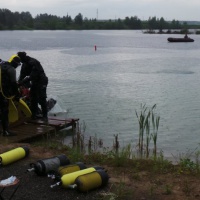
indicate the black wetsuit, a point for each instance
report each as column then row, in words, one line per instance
column 9, row 88
column 32, row 69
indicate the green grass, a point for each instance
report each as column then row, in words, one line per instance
column 126, row 161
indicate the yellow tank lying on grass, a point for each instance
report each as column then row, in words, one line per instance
column 13, row 155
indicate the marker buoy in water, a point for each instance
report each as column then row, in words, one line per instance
column 13, row 155
column 90, row 181
column 95, row 47
column 68, row 179
column 48, row 165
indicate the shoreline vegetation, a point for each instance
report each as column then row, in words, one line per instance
column 131, row 176
column 24, row 21
column 180, row 32
column 140, row 173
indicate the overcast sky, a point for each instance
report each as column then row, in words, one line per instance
column 186, row 10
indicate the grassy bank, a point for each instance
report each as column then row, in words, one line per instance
column 141, row 173
column 132, row 176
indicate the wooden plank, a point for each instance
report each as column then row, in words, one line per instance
column 62, row 119
column 57, row 123
column 30, row 129
column 26, row 132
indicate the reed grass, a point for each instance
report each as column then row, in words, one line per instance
column 161, row 164
column 122, row 156
column 148, row 124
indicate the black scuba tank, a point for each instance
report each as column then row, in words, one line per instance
column 48, row 165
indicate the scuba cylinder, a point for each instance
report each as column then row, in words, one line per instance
column 48, row 165
column 67, row 169
column 90, row 181
column 68, row 179
column 13, row 155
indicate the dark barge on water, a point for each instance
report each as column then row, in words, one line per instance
column 180, row 39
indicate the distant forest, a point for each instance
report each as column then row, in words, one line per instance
column 24, row 21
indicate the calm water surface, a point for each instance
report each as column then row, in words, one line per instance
column 104, row 88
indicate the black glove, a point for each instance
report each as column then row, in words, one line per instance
column 24, row 81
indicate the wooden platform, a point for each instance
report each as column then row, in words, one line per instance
column 28, row 130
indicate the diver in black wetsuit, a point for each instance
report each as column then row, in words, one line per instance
column 33, row 72
column 9, row 88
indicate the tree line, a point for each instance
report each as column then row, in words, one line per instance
column 24, row 21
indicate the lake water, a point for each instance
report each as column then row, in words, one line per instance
column 105, row 87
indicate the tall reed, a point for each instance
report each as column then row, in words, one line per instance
column 146, row 117
column 155, row 123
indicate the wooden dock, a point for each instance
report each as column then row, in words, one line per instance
column 27, row 130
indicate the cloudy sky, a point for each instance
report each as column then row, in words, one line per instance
column 186, row 10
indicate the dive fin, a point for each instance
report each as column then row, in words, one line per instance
column 23, row 107
column 13, row 112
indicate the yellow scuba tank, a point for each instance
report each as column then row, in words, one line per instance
column 13, row 155
column 90, row 181
column 48, row 165
column 67, row 169
column 68, row 179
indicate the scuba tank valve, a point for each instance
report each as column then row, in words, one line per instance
column 48, row 165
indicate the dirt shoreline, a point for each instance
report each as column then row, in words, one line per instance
column 125, row 183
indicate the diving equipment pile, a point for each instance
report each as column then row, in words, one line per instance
column 69, row 176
